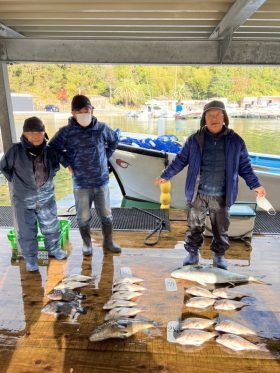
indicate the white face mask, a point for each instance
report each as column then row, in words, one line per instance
column 84, row 119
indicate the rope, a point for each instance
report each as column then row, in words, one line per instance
column 161, row 224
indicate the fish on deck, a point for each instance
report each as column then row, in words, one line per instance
column 194, row 337
column 122, row 312
column 211, row 275
column 65, row 294
column 200, row 302
column 232, row 327
column 228, row 293
column 196, row 323
column 122, row 328
column 61, row 308
column 237, row 343
column 228, row 304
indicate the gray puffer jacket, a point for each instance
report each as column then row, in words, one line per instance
column 17, row 167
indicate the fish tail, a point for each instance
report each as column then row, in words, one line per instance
column 254, row 279
column 262, row 347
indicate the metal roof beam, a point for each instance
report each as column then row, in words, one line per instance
column 7, row 32
column 172, row 52
column 239, row 12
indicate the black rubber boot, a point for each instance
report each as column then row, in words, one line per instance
column 191, row 259
column 219, row 261
column 108, row 243
column 87, row 245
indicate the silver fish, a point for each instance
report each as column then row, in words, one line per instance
column 196, row 323
column 237, row 343
column 127, row 295
column 194, row 337
column 227, row 293
column 118, row 303
column 232, row 327
column 200, row 292
column 227, row 304
column 127, row 280
column 128, row 287
column 71, row 285
column 122, row 328
column 65, row 294
column 211, row 275
column 79, row 278
column 61, row 308
column 122, row 312
column 200, row 302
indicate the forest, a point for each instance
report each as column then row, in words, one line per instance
column 132, row 85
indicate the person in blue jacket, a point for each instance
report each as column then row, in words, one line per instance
column 30, row 166
column 87, row 145
column 215, row 156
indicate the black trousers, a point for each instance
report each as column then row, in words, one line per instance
column 219, row 217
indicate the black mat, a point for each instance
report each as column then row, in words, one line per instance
column 267, row 224
column 138, row 220
column 131, row 219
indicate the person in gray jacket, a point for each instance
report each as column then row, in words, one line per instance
column 30, row 166
column 87, row 145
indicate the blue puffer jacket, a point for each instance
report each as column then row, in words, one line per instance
column 236, row 158
column 87, row 150
column 17, row 167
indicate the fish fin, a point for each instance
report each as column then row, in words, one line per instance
column 254, row 279
column 262, row 347
column 202, row 283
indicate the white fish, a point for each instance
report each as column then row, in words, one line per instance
column 237, row 343
column 229, row 326
column 227, row 304
column 196, row 323
column 128, row 280
column 71, row 285
column 211, row 275
column 119, row 329
column 227, row 293
column 127, row 295
column 194, row 337
column 200, row 302
column 122, row 312
column 118, row 303
column 128, row 287
column 200, row 292
column 79, row 278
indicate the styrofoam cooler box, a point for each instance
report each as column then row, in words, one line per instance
column 242, row 220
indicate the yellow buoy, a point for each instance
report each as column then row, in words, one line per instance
column 165, row 196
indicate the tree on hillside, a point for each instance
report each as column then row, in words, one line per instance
column 128, row 93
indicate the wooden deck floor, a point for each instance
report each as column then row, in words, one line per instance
column 34, row 342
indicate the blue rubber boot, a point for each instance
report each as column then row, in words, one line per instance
column 31, row 265
column 219, row 261
column 58, row 254
column 191, row 259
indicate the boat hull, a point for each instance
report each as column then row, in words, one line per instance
column 137, row 168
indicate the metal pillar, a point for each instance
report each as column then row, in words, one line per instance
column 7, row 121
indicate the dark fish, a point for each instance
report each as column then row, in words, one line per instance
column 60, row 308
column 65, row 294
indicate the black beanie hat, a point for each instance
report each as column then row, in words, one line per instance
column 33, row 124
column 214, row 105
column 79, row 102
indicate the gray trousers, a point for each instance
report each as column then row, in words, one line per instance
column 45, row 214
column 219, row 217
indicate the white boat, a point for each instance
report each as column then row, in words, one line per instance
column 136, row 169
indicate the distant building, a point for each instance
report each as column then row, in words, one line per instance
column 22, row 102
column 248, row 102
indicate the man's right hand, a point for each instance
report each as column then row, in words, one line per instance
column 70, row 169
column 159, row 180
